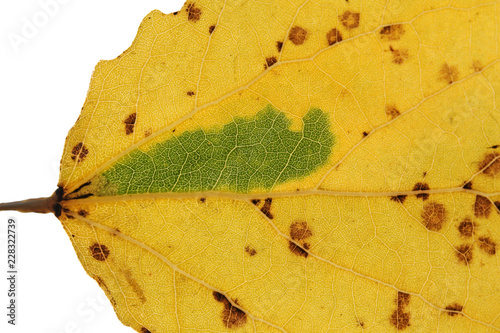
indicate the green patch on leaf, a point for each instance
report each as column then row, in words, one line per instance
column 246, row 154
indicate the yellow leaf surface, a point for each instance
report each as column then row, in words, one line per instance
column 294, row 166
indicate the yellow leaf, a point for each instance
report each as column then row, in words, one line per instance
column 294, row 166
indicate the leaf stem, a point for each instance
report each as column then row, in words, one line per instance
column 38, row 205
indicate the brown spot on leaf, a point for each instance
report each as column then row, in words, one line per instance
column 365, row 134
column 145, row 330
column 79, row 152
column 250, row 250
column 300, row 231
column 448, row 73
column 103, row 286
column 190, row 93
column 487, row 245
column 202, row 199
column 434, row 216
column 497, row 204
column 279, row 45
column 270, row 61
column 467, row 186
column 297, row 35
column 421, row 187
column 256, row 201
column 464, row 253
column 83, row 212
column 466, row 228
column 401, row 319
column 130, row 123
column 333, row 36
column 476, row 64
column 232, row 316
column 392, row 32
column 194, row 12
column 453, row 309
column 297, row 249
column 482, row 206
column 391, row 111
column 490, row 165
column 211, row 29
column 349, row 19
column 399, row 56
column 266, row 208
column 99, row 252
column 134, row 285
column 399, row 198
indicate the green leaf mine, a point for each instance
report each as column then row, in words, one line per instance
column 247, row 154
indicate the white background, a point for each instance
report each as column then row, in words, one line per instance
column 43, row 84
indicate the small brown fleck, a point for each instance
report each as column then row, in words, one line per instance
column 482, row 206
column 361, row 323
column 232, row 316
column 448, row 73
column 297, row 35
column 145, row 330
column 256, row 201
column 130, row 123
column 333, row 36
column 175, row 13
column 270, row 62
column 250, row 250
column 467, row 186
column 476, row 64
column 453, row 309
column 211, row 29
column 349, row 19
column 391, row 111
column 487, row 245
column 490, row 165
column 399, row 56
column 99, row 252
column 279, row 45
column 365, row 134
column 190, row 93
column 194, row 12
column 297, row 249
column 392, row 32
column 266, row 208
column 434, row 216
column 147, row 133
column 79, row 152
column 202, row 199
column 421, row 187
column 497, row 204
column 399, row 198
column 466, row 228
column 83, row 212
column 464, row 253
column 300, row 231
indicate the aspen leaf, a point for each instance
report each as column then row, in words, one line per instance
column 293, row 166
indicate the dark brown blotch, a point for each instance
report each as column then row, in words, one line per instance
column 256, row 201
column 467, row 186
column 448, row 73
column 464, row 253
column 398, row 198
column 232, row 316
column 454, row 309
column 349, row 19
column 421, row 187
column 279, row 45
column 300, row 231
column 145, row 330
column 400, row 318
column 399, row 56
column 365, row 134
column 202, row 199
column 403, row 300
column 83, row 212
column 130, row 123
column 250, row 250
column 482, row 207
column 297, row 35
column 79, row 152
column 333, row 36
column 266, row 208
column 391, row 111
column 392, row 32
column 297, row 250
column 270, row 62
column 434, row 216
column 211, row 29
column 99, row 251
column 194, row 12
column 190, row 93
column 487, row 245
column 497, row 204
column 490, row 165
column 466, row 228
